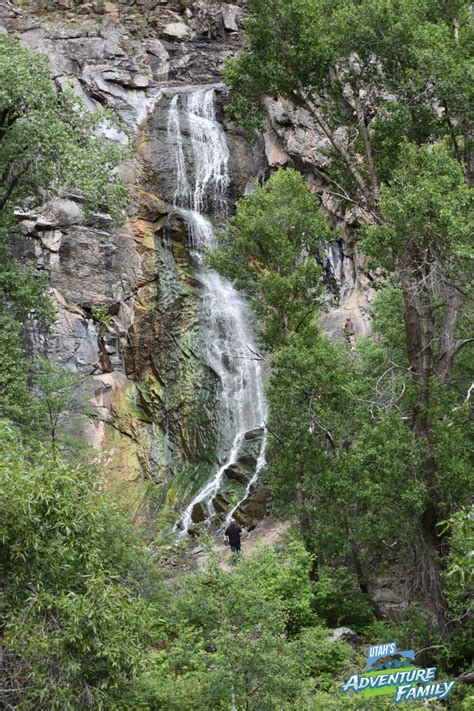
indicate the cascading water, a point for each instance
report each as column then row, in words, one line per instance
column 200, row 196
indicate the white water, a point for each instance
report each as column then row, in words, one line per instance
column 200, row 195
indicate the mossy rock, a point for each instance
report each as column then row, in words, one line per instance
column 221, row 503
column 199, row 513
column 238, row 472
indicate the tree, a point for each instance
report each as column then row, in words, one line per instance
column 58, row 404
column 380, row 80
column 342, row 471
column 74, row 626
column 425, row 239
column 271, row 250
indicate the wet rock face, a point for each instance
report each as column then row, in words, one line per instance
column 246, row 162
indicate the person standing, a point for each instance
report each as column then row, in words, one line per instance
column 232, row 536
column 349, row 332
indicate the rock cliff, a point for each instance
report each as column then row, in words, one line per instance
column 126, row 297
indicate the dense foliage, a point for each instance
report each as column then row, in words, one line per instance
column 86, row 623
column 388, row 85
column 72, row 576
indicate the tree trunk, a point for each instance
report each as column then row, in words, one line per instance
column 359, row 569
column 419, row 330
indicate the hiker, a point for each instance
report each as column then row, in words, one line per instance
column 348, row 328
column 232, row 536
column 349, row 332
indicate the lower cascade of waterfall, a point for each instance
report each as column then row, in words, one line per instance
column 226, row 322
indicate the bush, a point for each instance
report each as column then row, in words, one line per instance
column 75, row 624
column 338, row 599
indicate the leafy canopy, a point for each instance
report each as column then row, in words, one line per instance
column 370, row 73
column 427, row 207
column 271, row 249
column 74, row 626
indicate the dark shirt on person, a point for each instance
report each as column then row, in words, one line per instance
column 233, row 534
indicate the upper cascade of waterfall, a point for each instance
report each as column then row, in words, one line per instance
column 200, row 195
column 206, row 191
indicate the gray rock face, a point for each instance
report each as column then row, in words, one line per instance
column 140, row 273
column 89, row 264
column 88, row 260
column 292, row 138
column 158, row 58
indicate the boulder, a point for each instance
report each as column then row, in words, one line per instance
column 344, row 634
column 221, row 503
column 236, row 472
column 247, row 460
column 230, row 13
column 177, row 31
column 60, row 212
column 257, row 433
column 198, row 513
column 112, row 10
column 254, row 507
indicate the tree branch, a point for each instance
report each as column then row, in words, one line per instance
column 368, row 146
column 338, row 146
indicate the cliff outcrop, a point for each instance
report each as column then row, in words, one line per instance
column 126, row 298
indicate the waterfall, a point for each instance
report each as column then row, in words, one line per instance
column 226, row 323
